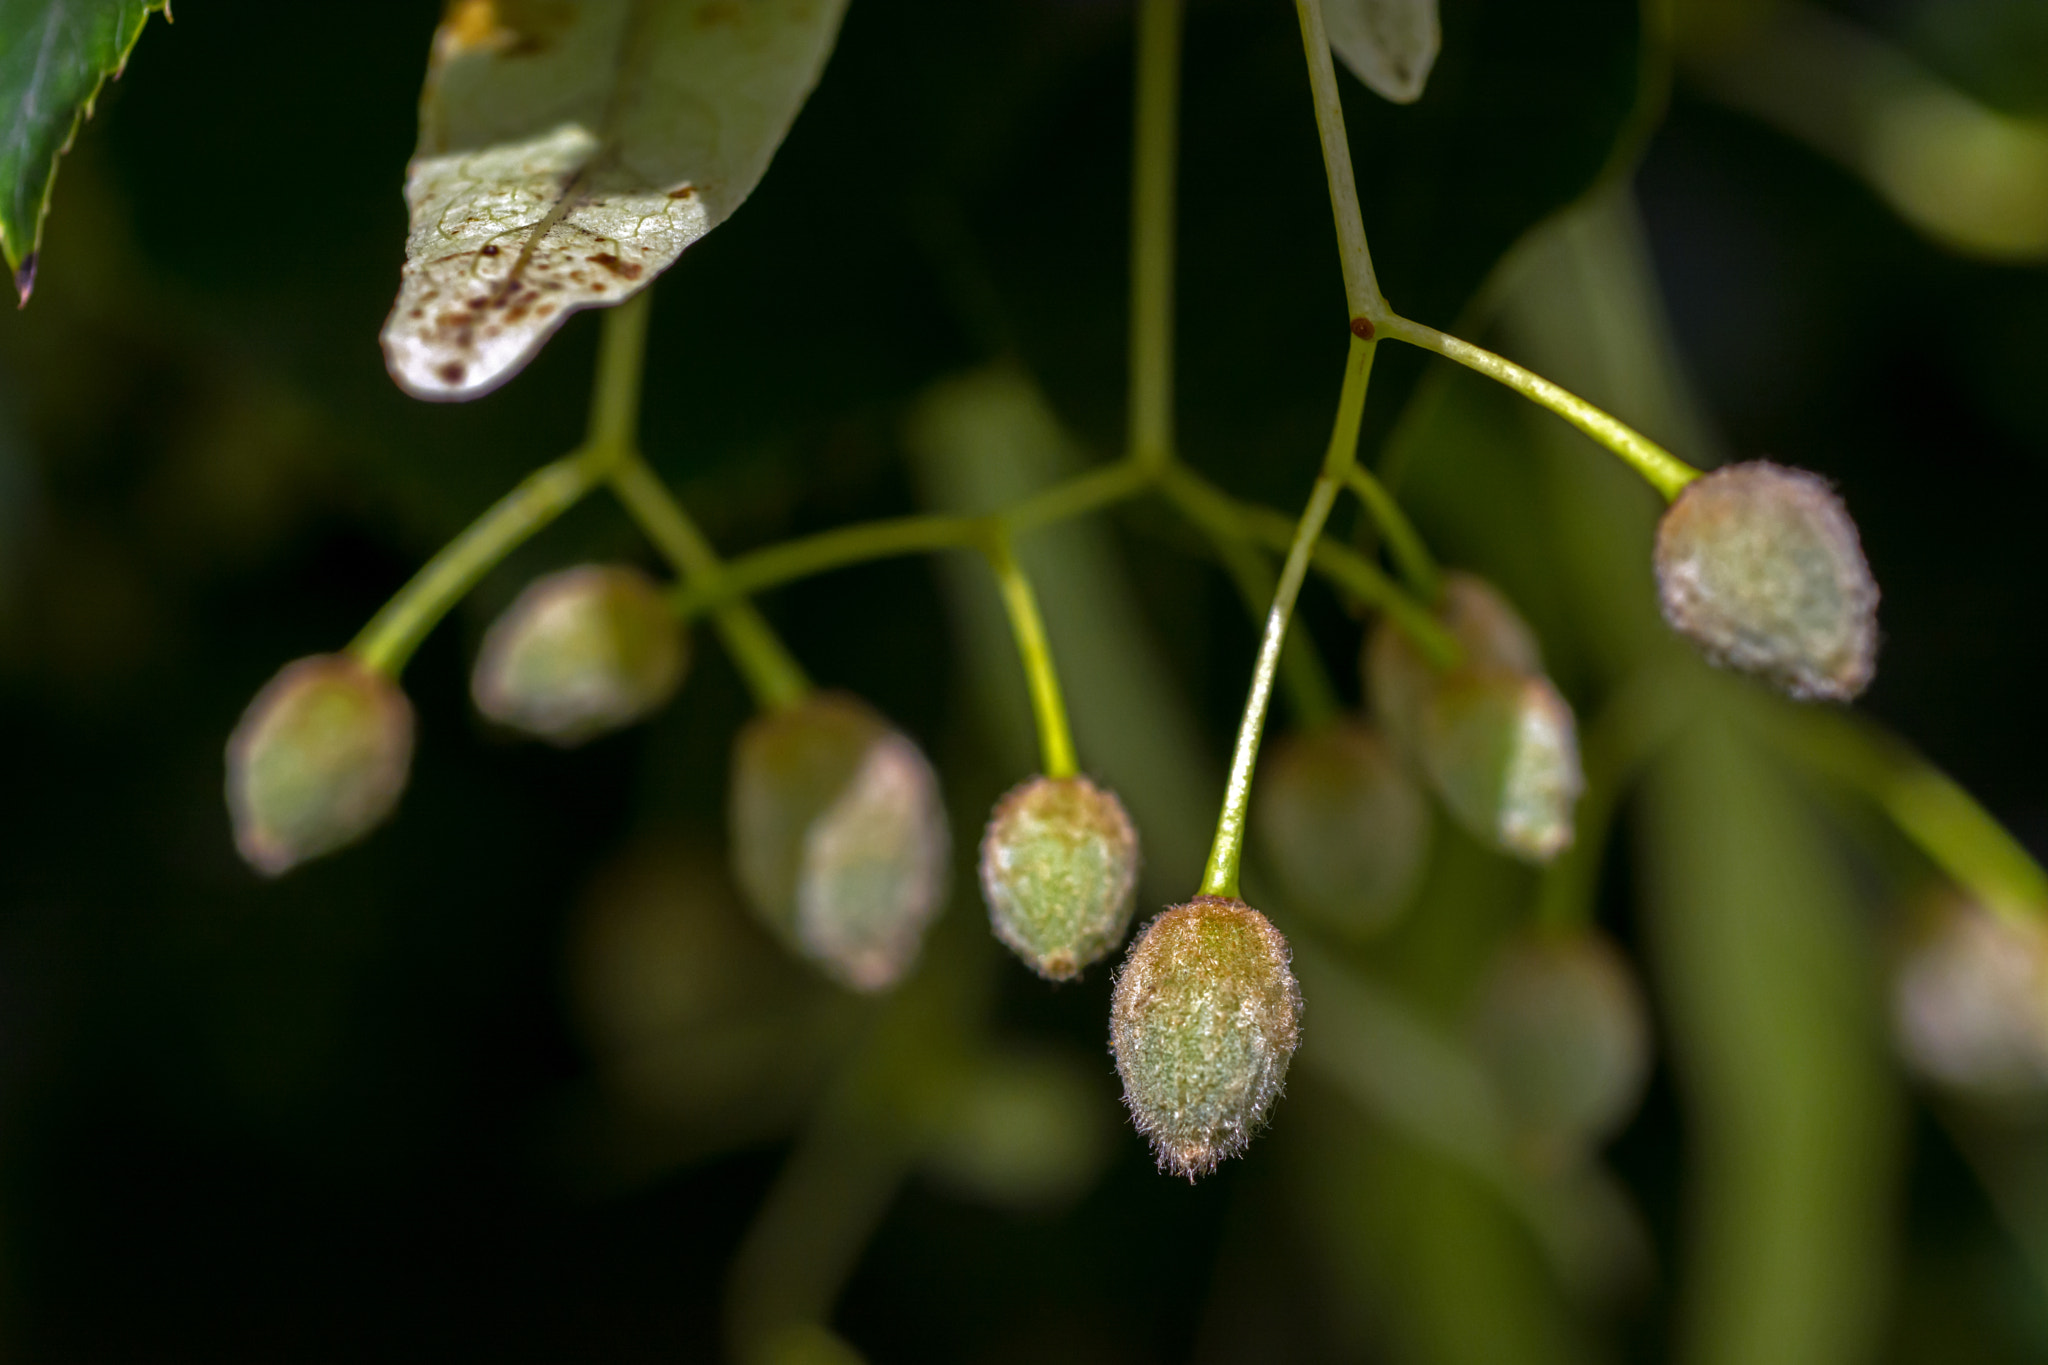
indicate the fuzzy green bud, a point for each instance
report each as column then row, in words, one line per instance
column 839, row 837
column 317, row 761
column 1059, row 865
column 579, row 653
column 1970, row 1002
column 1503, row 751
column 1204, row 1019
column 1345, row 827
column 1760, row 566
column 1491, row 633
column 1561, row 1025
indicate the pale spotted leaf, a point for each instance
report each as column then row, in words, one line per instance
column 569, row 151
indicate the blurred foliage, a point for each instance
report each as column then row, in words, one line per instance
column 516, row 1081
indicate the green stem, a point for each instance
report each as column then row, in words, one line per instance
column 1361, row 285
column 1155, row 139
column 1055, row 740
column 621, row 360
column 1409, row 552
column 1219, row 878
column 1663, row 471
column 774, row 677
column 387, row 643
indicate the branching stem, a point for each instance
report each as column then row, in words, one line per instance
column 1664, row 471
column 1361, row 285
column 1219, row 878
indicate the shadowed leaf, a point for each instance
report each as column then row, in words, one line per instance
column 569, row 153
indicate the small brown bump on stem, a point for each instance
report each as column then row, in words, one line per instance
column 1362, row 328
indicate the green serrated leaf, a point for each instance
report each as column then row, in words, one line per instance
column 1388, row 44
column 569, row 152
column 54, row 54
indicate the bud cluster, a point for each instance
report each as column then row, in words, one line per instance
column 1761, row 567
column 1492, row 735
column 839, row 838
column 1204, row 1019
column 1059, row 865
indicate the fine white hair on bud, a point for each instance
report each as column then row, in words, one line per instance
column 1059, row 866
column 1204, row 1018
column 839, row 837
column 1761, row 567
column 1345, row 827
column 579, row 653
column 317, row 761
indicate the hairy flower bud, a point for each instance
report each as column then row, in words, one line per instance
column 579, row 653
column 1970, row 1002
column 1562, row 1027
column 1760, row 566
column 839, row 838
column 1503, row 752
column 317, row 761
column 1346, row 828
column 1492, row 634
column 1059, row 864
column 1204, row 1019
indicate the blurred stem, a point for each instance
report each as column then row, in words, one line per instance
column 775, row 679
column 1361, row 286
column 1156, row 139
column 1225, row 853
column 1934, row 812
column 1055, row 740
column 1310, row 693
column 1413, row 557
column 1223, row 517
column 1663, row 471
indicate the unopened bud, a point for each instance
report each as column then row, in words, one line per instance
column 317, row 761
column 1503, row 752
column 839, row 837
column 1562, row 1028
column 1971, row 1002
column 579, row 653
column 1204, row 1020
column 1490, row 632
column 1059, row 863
column 1760, row 566
column 1346, row 828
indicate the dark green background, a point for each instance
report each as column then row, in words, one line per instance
column 340, row 1117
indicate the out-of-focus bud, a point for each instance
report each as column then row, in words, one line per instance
column 317, row 761
column 1760, row 566
column 1059, row 863
column 1492, row 634
column 1561, row 1025
column 1023, row 1131
column 579, row 653
column 839, row 837
column 1970, row 1002
column 1204, row 1020
column 804, row 1343
column 1502, row 750
column 1345, row 826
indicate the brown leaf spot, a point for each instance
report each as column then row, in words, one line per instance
column 488, row 249
column 683, row 192
column 627, row 270
column 452, row 372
